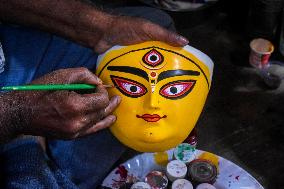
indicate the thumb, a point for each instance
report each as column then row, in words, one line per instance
column 161, row 34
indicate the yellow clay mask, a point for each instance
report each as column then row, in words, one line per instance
column 163, row 91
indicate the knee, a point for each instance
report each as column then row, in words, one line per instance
column 154, row 15
column 161, row 18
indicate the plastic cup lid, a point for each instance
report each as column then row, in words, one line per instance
column 205, row 186
column 182, row 184
column 176, row 168
column 202, row 171
column 140, row 185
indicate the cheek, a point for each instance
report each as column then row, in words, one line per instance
column 128, row 109
column 182, row 113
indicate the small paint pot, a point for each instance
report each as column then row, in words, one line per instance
column 126, row 186
column 182, row 184
column 157, row 180
column 140, row 185
column 202, row 171
column 261, row 49
column 176, row 169
column 184, row 152
column 205, row 186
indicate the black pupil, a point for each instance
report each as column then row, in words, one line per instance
column 173, row 90
column 133, row 89
column 153, row 58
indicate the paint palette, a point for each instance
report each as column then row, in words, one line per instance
column 230, row 175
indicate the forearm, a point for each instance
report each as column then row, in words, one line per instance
column 73, row 19
column 9, row 117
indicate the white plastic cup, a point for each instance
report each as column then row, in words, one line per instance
column 182, row 184
column 205, row 186
column 140, row 185
column 261, row 50
column 176, row 169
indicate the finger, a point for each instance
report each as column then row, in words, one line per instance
column 105, row 123
column 102, row 46
column 94, row 101
column 158, row 33
column 70, row 75
column 96, row 115
column 83, row 75
column 102, row 114
column 114, row 102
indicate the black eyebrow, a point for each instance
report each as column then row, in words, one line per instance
column 131, row 70
column 173, row 73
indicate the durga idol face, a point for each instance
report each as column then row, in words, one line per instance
column 163, row 91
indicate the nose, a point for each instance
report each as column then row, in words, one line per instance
column 154, row 101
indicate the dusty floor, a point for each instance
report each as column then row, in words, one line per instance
column 243, row 120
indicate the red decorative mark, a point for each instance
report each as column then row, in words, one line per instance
column 151, row 118
column 237, row 177
column 122, row 171
column 129, row 87
column 153, row 74
column 177, row 89
column 153, row 58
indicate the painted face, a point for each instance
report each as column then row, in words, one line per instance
column 163, row 90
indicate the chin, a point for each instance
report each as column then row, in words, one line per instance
column 154, row 146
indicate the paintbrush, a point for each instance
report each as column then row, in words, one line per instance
column 43, row 87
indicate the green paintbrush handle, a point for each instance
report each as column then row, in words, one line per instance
column 49, row 87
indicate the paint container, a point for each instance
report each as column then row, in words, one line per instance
column 182, row 184
column 176, row 169
column 157, row 180
column 205, row 186
column 202, row 171
column 126, row 186
column 184, row 152
column 140, row 185
column 261, row 50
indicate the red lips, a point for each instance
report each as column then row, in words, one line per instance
column 151, row 118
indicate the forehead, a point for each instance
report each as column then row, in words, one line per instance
column 142, row 58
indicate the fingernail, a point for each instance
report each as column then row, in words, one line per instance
column 118, row 99
column 99, row 80
column 113, row 118
column 182, row 40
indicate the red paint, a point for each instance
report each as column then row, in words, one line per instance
column 158, row 58
column 151, row 117
column 184, row 88
column 153, row 74
column 122, row 171
column 191, row 138
column 125, row 84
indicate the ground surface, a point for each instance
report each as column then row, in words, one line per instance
column 242, row 120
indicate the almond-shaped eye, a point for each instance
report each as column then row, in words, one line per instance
column 129, row 87
column 177, row 89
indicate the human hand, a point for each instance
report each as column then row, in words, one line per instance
column 124, row 30
column 65, row 114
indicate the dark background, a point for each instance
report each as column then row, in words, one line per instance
column 243, row 119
